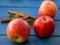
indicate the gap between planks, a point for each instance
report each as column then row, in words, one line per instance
column 33, row 35
column 19, row 7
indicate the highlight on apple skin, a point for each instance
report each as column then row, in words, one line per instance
column 18, row 30
column 48, row 0
column 48, row 8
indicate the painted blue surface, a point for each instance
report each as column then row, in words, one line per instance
column 25, row 3
column 29, row 7
column 33, row 40
column 30, row 11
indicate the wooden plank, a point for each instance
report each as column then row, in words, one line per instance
column 32, row 40
column 4, row 25
column 30, row 11
column 25, row 3
column 20, row 3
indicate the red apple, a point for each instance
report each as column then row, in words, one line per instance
column 44, row 26
column 48, row 0
column 48, row 8
column 18, row 30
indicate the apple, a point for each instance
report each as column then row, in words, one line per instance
column 18, row 30
column 44, row 26
column 48, row 0
column 48, row 8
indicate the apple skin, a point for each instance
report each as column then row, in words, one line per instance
column 48, row 0
column 44, row 26
column 18, row 30
column 48, row 8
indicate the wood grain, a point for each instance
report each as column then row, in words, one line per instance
column 32, row 40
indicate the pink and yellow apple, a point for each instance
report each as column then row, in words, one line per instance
column 48, row 8
column 18, row 30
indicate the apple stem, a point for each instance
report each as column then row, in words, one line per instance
column 16, row 37
column 44, row 19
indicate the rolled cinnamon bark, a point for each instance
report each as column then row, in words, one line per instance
column 6, row 20
column 21, row 14
column 9, row 19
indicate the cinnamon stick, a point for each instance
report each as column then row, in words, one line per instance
column 9, row 19
column 21, row 14
column 6, row 20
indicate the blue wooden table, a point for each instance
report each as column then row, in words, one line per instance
column 29, row 7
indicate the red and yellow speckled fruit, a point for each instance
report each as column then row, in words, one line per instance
column 48, row 8
column 18, row 30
